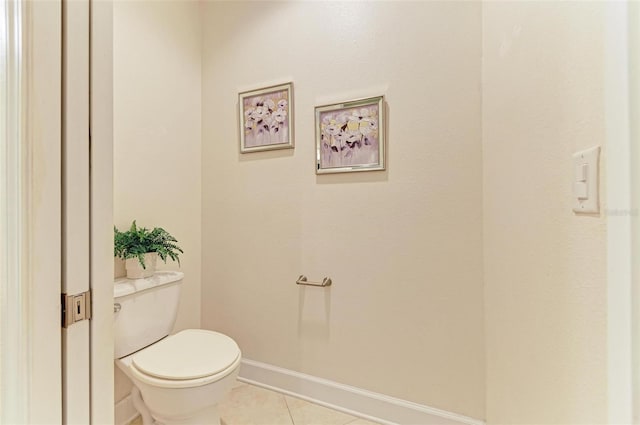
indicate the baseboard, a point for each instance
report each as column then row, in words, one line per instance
column 351, row 400
column 124, row 411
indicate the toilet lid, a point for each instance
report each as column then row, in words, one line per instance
column 189, row 354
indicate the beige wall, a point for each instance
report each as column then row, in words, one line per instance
column 545, row 268
column 157, row 139
column 403, row 247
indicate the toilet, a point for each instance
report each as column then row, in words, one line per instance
column 180, row 378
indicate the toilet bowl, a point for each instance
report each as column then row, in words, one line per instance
column 180, row 378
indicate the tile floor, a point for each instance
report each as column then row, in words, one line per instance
column 250, row 405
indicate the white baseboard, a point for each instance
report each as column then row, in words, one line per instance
column 351, row 400
column 125, row 412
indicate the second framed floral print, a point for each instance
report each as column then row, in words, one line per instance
column 350, row 136
column 266, row 118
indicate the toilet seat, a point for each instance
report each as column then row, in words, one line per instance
column 190, row 358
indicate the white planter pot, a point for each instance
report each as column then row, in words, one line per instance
column 135, row 269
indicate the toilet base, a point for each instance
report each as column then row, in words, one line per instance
column 138, row 403
column 209, row 415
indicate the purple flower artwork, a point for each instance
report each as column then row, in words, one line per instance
column 265, row 119
column 350, row 137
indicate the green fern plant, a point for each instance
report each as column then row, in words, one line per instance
column 137, row 241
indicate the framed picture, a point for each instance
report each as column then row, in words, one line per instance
column 350, row 136
column 266, row 118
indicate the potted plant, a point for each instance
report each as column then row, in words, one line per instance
column 140, row 248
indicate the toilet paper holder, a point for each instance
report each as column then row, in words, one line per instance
column 302, row 280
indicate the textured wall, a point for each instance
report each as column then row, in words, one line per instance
column 403, row 247
column 545, row 268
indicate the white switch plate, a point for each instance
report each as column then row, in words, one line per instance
column 586, row 162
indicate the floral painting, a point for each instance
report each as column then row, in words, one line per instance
column 265, row 119
column 350, row 136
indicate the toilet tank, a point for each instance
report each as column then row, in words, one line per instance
column 144, row 310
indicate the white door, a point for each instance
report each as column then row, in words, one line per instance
column 76, row 362
column 56, row 210
column 87, row 208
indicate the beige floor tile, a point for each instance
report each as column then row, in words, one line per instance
column 136, row 421
column 294, row 402
column 249, row 405
column 305, row 413
column 238, row 384
column 362, row 422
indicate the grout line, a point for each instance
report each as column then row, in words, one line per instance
column 288, row 408
column 354, row 419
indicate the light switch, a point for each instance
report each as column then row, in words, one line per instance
column 580, row 190
column 582, row 171
column 585, row 181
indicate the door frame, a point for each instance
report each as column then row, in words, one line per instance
column 32, row 214
column 35, row 250
column 622, row 183
column 43, row 176
column 634, row 114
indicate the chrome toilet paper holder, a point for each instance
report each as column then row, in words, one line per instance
column 302, row 280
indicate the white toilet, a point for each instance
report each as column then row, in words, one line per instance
column 179, row 379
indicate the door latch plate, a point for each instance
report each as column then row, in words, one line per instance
column 75, row 308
